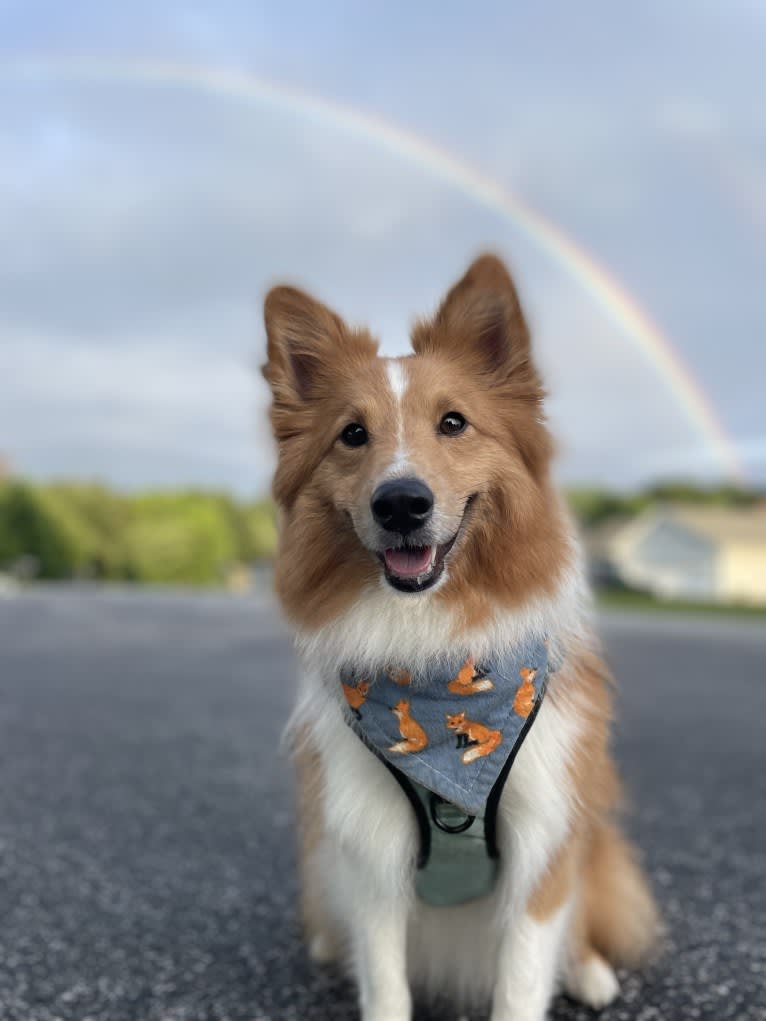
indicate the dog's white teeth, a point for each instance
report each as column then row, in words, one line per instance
column 431, row 562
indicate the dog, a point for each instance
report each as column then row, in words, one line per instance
column 418, row 524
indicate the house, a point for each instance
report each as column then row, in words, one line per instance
column 710, row 554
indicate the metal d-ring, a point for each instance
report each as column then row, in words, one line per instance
column 461, row 827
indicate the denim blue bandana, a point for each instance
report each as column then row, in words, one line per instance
column 452, row 728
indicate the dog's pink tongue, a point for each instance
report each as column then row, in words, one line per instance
column 408, row 563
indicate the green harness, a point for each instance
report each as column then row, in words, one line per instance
column 459, row 867
column 449, row 733
column 458, row 859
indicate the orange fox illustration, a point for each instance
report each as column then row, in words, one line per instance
column 415, row 738
column 477, row 739
column 524, row 702
column 356, row 695
column 468, row 681
column 402, row 677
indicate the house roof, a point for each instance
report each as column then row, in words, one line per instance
column 740, row 525
column 721, row 525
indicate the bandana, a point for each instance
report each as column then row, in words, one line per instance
column 451, row 728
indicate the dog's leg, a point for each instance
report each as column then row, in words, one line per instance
column 541, row 854
column 527, row 967
column 535, row 940
column 321, row 934
column 379, row 937
column 374, row 839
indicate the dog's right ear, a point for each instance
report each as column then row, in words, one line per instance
column 302, row 335
column 311, row 356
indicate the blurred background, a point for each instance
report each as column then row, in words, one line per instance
column 162, row 165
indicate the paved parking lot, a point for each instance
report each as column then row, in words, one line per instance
column 146, row 856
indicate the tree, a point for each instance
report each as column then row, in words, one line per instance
column 181, row 539
column 31, row 526
column 261, row 530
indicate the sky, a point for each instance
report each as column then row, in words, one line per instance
column 142, row 220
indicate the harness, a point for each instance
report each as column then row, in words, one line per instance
column 450, row 738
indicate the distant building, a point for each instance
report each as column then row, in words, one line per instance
column 708, row 554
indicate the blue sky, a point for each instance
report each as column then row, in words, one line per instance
column 142, row 224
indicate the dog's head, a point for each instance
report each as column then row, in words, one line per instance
column 428, row 473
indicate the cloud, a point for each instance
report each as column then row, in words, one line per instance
column 153, row 412
column 141, row 226
column 158, row 410
column 130, row 232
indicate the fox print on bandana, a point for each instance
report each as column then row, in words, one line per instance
column 525, row 696
column 459, row 723
column 477, row 739
column 414, row 738
column 469, row 680
column 355, row 695
column 401, row 677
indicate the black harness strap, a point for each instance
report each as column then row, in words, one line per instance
column 424, row 826
column 490, row 814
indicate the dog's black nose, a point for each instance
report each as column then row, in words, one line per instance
column 402, row 505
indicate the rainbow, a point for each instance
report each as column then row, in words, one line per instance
column 607, row 292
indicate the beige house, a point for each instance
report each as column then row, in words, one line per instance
column 702, row 553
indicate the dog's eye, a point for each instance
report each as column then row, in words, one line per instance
column 452, row 424
column 354, row 435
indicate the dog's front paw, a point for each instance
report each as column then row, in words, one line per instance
column 395, row 1008
column 520, row 1012
column 404, row 1014
column 593, row 982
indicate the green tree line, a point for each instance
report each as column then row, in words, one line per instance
column 81, row 530
column 86, row 530
column 593, row 505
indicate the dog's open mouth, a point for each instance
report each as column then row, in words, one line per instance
column 416, row 568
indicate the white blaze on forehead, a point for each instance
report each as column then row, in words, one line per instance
column 397, row 380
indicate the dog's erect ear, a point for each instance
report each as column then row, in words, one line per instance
column 302, row 335
column 480, row 318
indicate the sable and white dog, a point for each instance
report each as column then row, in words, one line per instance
column 469, row 550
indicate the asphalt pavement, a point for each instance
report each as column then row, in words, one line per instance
column 146, row 845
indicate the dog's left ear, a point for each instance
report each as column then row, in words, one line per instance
column 480, row 318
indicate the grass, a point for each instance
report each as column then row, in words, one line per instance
column 624, row 599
